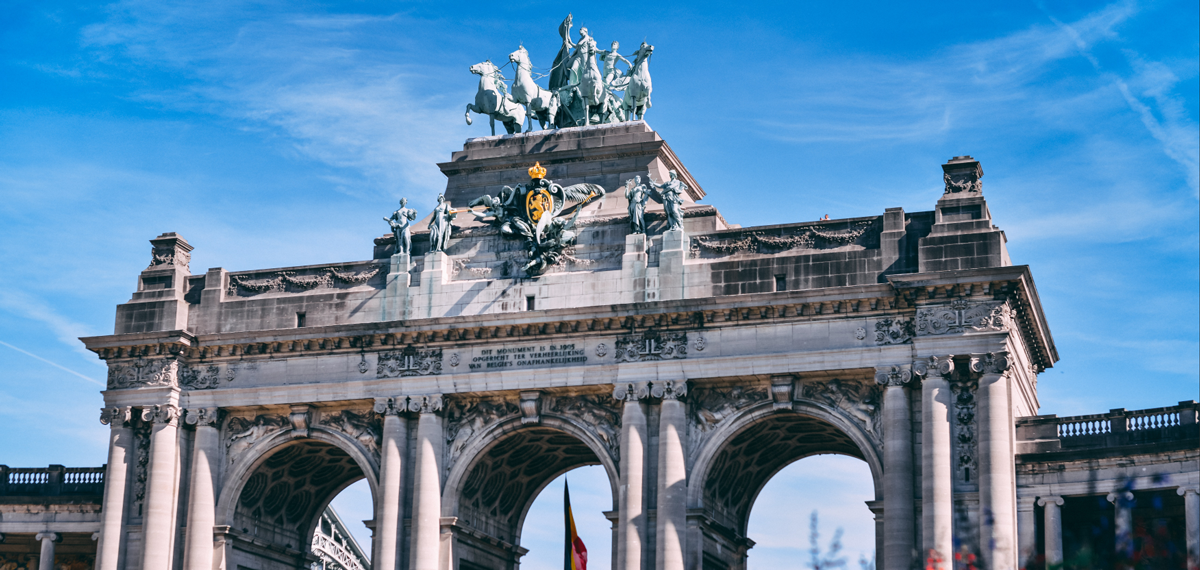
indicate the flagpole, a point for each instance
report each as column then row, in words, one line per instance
column 567, row 526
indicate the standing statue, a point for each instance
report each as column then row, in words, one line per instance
column 670, row 195
column 492, row 99
column 559, row 77
column 637, row 92
column 541, row 104
column 636, row 194
column 401, row 222
column 612, row 75
column 440, row 226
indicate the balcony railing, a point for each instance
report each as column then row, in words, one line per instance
column 52, row 481
column 1116, row 428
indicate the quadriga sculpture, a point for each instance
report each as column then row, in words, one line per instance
column 492, row 99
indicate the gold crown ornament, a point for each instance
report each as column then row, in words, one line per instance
column 536, row 171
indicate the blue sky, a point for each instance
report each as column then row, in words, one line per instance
column 275, row 133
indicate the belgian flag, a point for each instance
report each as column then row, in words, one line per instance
column 574, row 552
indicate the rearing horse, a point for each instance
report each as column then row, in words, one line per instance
column 637, row 94
column 540, row 103
column 493, row 101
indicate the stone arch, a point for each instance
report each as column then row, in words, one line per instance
column 283, row 483
column 725, row 486
column 499, row 473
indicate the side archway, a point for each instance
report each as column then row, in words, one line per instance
column 274, row 494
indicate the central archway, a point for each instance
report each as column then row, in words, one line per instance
column 503, row 470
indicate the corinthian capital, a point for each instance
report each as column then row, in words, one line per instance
column 990, row 362
column 669, row 389
column 161, row 414
column 116, row 416
column 631, row 391
column 425, row 403
column 895, row 375
column 202, row 416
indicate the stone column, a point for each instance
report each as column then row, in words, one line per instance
column 393, row 452
column 897, row 468
column 1026, row 532
column 120, row 453
column 632, row 518
column 46, row 558
column 997, row 467
column 671, row 513
column 1053, row 527
column 1191, row 508
column 202, row 499
column 427, row 484
column 1123, row 517
column 937, row 490
column 157, row 527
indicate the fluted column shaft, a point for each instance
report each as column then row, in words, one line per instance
column 632, row 517
column 120, row 452
column 997, row 469
column 157, row 526
column 937, row 490
column 1191, row 507
column 897, row 468
column 671, row 513
column 202, row 494
column 1052, row 516
column 427, row 486
column 393, row 451
column 46, row 557
column 1123, row 517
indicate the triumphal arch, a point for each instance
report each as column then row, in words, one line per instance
column 587, row 310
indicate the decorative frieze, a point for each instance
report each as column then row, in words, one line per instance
column 961, row 316
column 894, row 331
column 409, row 362
column 143, row 373
column 284, row 281
column 200, row 378
column 777, row 241
column 651, row 345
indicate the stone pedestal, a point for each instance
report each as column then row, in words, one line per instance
column 395, row 304
column 671, row 281
column 435, row 274
column 633, row 268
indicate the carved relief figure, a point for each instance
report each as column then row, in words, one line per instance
column 468, row 417
column 711, row 406
column 357, row 426
column 596, row 413
column 243, row 432
column 855, row 400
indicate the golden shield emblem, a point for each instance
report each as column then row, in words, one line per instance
column 538, row 202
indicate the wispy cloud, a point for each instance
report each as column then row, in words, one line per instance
column 54, row 364
column 66, row 330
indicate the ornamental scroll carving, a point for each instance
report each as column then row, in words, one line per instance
column 467, row 417
column 200, row 378
column 409, row 362
column 709, row 406
column 960, row 316
column 963, row 387
column 143, row 373
column 651, row 345
column 595, row 413
column 362, row 427
column 858, row 401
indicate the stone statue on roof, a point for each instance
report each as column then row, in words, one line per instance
column 670, row 195
column 401, row 222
